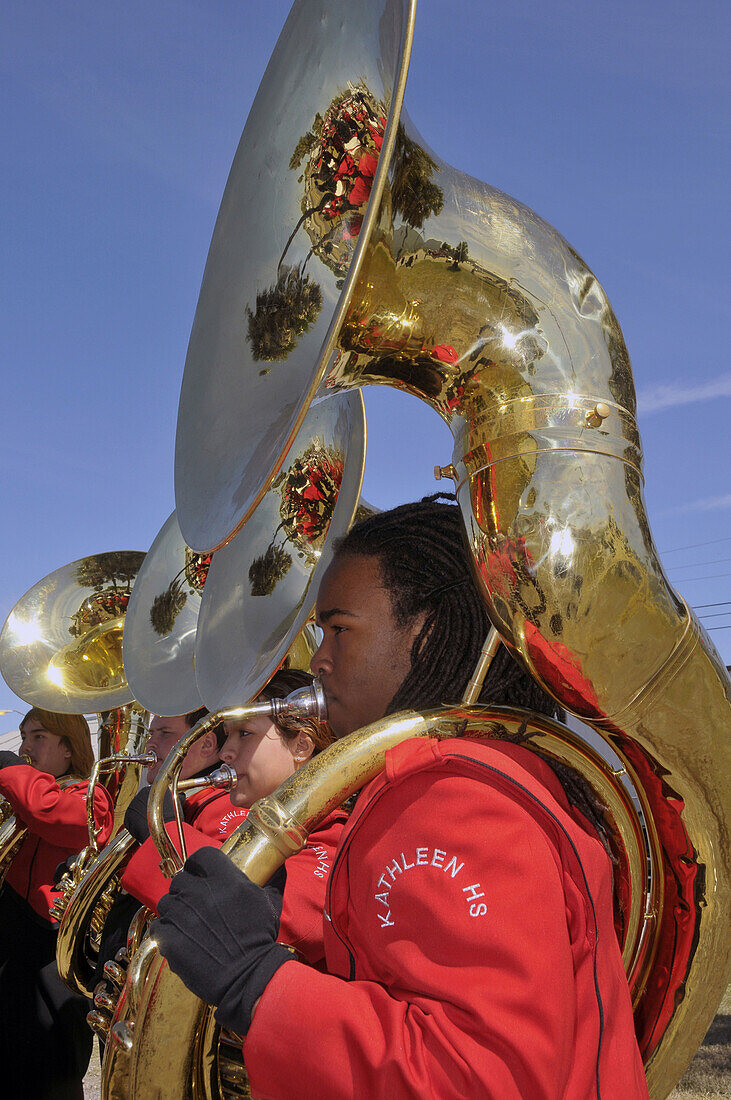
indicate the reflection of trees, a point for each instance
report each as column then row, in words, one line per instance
column 101, row 569
column 283, row 312
column 267, row 570
column 166, row 607
column 339, row 155
column 306, row 142
column 414, row 194
column 460, row 254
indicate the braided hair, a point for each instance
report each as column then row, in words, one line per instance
column 424, row 564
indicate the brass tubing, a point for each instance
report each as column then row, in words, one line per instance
column 547, row 465
column 489, row 649
column 109, row 764
column 77, row 918
column 224, row 778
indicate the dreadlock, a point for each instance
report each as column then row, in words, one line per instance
column 425, row 567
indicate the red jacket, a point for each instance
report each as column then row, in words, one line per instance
column 301, row 925
column 470, row 946
column 208, row 815
column 56, row 822
column 307, row 872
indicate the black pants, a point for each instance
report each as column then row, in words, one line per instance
column 45, row 1042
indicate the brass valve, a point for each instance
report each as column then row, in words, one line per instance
column 598, row 415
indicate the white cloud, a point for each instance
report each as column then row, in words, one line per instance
column 671, row 395
column 705, row 504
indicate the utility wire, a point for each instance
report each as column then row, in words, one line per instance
column 720, row 603
column 696, row 564
column 695, row 545
column 718, row 615
column 710, row 577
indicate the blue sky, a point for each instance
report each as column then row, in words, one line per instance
column 119, row 125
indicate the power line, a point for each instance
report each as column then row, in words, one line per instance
column 695, row 564
column 719, row 627
column 711, row 542
column 720, row 603
column 717, row 615
column 710, row 577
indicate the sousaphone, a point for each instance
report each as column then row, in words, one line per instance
column 251, row 605
column 61, row 650
column 346, row 253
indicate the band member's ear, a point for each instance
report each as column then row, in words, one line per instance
column 302, row 748
column 209, row 745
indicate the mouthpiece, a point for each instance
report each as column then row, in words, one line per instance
column 224, row 778
column 306, row 702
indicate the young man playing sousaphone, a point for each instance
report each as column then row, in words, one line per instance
column 469, row 935
column 208, row 814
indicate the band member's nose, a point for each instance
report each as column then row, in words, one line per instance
column 321, row 663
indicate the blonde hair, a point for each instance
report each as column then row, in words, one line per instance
column 73, row 729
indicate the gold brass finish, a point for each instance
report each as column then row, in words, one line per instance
column 458, row 294
column 489, row 649
column 108, row 764
column 93, row 883
column 85, row 910
column 12, row 835
column 598, row 415
column 445, row 471
column 122, row 733
column 61, row 645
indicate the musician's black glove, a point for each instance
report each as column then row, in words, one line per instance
column 9, row 759
column 64, row 866
column 218, row 931
column 135, row 817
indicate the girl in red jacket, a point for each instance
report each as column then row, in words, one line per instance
column 44, row 1041
column 469, row 935
column 263, row 755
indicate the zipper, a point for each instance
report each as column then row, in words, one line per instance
column 336, row 864
column 30, row 870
